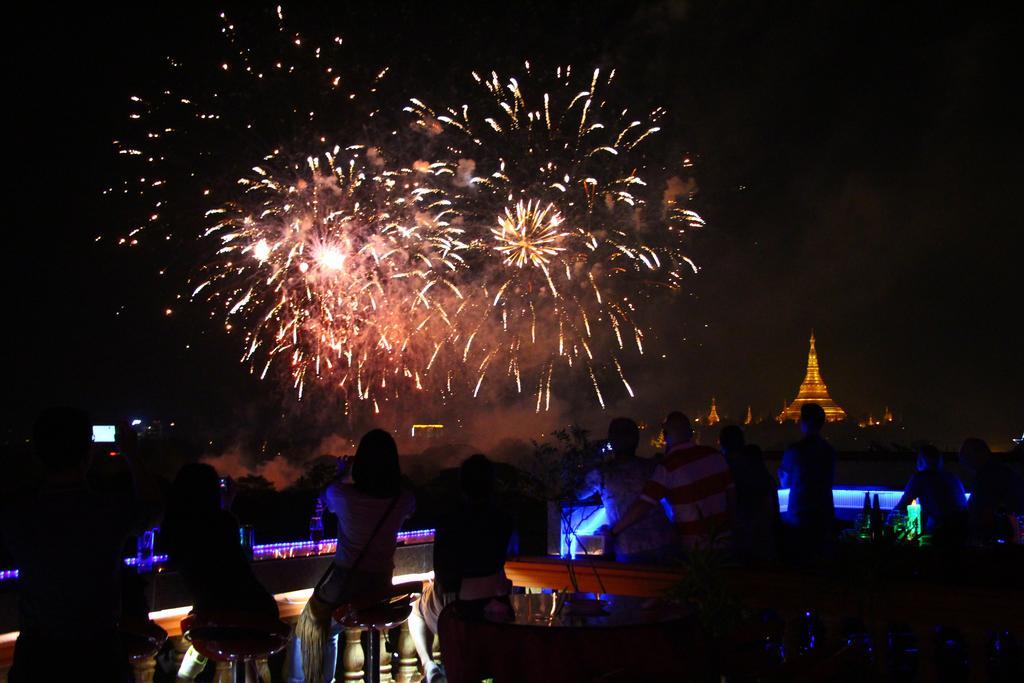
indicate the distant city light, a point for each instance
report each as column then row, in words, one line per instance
column 136, row 422
column 425, row 426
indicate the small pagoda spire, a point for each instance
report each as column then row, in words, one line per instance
column 749, row 419
column 713, row 415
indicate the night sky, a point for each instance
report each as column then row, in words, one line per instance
column 858, row 168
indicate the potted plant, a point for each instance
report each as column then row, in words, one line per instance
column 556, row 474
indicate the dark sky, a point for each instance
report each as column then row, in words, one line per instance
column 858, row 165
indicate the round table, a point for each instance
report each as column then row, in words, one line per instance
column 629, row 639
column 563, row 610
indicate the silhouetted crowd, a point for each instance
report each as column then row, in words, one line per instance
column 68, row 538
column 727, row 499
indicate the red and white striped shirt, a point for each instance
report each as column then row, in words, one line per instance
column 697, row 483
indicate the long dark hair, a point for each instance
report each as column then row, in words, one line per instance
column 476, row 479
column 195, row 492
column 375, row 469
column 193, row 503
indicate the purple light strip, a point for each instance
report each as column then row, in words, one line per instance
column 416, row 533
column 133, row 561
column 287, row 549
column 266, row 550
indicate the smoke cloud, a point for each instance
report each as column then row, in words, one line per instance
column 464, row 173
column 279, row 471
column 677, row 188
column 373, row 156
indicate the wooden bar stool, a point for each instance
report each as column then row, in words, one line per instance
column 142, row 640
column 228, row 638
column 378, row 613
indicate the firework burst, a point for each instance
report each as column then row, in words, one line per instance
column 321, row 259
column 522, row 242
column 567, row 224
column 529, row 235
column 328, row 270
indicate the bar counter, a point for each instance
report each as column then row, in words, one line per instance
column 287, row 570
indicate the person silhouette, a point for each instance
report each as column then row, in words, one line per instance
column 67, row 541
column 619, row 483
column 757, row 498
column 696, row 482
column 470, row 547
column 940, row 492
column 808, row 470
column 998, row 493
column 202, row 541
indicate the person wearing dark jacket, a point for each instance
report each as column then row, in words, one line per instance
column 757, row 498
column 996, row 497
column 808, row 470
column 470, row 546
column 940, row 493
column 202, row 542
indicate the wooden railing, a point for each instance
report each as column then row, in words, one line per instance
column 403, row 669
column 974, row 611
column 288, row 578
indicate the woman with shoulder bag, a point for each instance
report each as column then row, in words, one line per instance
column 371, row 505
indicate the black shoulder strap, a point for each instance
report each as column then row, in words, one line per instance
column 376, row 529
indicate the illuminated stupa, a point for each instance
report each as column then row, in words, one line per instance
column 713, row 415
column 812, row 390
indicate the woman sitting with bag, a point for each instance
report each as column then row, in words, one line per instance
column 371, row 506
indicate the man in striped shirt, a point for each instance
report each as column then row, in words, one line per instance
column 696, row 483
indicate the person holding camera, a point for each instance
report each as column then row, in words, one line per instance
column 619, row 483
column 67, row 540
column 371, row 504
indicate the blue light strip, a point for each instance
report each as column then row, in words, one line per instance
column 588, row 518
column 853, row 499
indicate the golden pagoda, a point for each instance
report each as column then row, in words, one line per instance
column 812, row 390
column 713, row 415
column 750, row 417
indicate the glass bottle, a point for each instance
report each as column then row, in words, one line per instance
column 316, row 523
column 866, row 515
column 144, row 551
column 876, row 519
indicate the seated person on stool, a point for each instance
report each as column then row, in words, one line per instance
column 470, row 546
column 202, row 540
column 371, row 504
column 997, row 496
